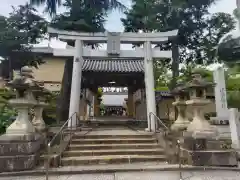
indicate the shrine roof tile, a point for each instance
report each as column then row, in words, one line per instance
column 113, row 65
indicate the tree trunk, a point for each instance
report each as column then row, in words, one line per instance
column 75, row 7
column 175, row 64
column 64, row 97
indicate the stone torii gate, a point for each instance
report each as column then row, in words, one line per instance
column 113, row 40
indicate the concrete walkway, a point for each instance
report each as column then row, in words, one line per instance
column 163, row 175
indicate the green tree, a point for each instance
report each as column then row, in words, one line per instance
column 99, row 5
column 17, row 34
column 6, row 111
column 228, row 49
column 199, row 32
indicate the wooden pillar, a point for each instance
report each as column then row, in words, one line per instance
column 134, row 110
column 96, row 105
column 175, row 64
column 130, row 103
column 86, row 111
column 82, row 108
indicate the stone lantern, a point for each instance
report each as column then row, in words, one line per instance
column 25, row 99
column 20, row 145
column 199, row 127
column 182, row 121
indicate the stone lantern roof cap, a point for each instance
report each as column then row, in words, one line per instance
column 25, row 80
column 180, row 88
column 198, row 82
column 18, row 83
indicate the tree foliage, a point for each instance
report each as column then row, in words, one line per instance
column 98, row 5
column 228, row 49
column 6, row 111
column 79, row 19
column 17, row 34
column 199, row 32
column 50, row 5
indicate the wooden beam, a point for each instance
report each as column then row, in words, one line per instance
column 88, row 52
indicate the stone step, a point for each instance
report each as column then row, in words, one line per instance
column 110, row 159
column 106, row 136
column 73, row 147
column 155, row 151
column 113, row 141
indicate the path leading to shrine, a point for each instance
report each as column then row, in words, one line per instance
column 170, row 175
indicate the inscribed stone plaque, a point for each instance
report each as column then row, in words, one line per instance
column 113, row 43
column 220, row 93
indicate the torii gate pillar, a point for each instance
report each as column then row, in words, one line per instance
column 149, row 85
column 76, row 83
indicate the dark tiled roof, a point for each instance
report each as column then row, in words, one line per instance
column 113, row 65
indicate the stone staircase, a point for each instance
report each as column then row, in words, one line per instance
column 112, row 149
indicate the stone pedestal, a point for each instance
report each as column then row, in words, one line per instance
column 234, row 127
column 200, row 127
column 201, row 152
column 38, row 121
column 22, row 124
column 182, row 121
column 19, row 152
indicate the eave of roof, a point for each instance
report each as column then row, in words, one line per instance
column 113, row 65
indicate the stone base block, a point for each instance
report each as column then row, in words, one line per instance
column 211, row 158
column 207, row 152
column 206, row 134
column 19, row 152
column 179, row 126
column 11, row 145
column 17, row 162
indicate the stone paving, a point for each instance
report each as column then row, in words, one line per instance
column 161, row 175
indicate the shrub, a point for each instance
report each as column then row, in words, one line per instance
column 6, row 116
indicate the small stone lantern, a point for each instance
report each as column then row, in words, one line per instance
column 182, row 121
column 199, row 127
